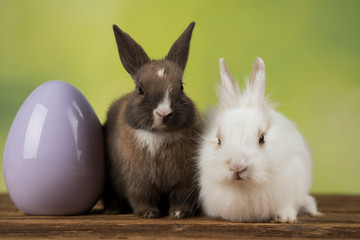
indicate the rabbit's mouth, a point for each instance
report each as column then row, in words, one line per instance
column 239, row 175
column 159, row 124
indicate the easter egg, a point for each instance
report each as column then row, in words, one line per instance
column 54, row 154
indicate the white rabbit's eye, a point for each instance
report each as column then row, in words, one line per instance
column 140, row 90
column 218, row 138
column 262, row 139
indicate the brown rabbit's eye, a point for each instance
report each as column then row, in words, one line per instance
column 140, row 90
column 262, row 139
column 182, row 87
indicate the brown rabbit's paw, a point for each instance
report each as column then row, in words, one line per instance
column 109, row 211
column 178, row 214
column 152, row 213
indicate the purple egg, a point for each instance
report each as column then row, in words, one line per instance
column 54, row 157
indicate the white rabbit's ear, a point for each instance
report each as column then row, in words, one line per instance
column 229, row 92
column 256, row 87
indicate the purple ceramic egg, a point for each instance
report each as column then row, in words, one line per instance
column 54, row 158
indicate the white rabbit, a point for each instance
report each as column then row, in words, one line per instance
column 254, row 165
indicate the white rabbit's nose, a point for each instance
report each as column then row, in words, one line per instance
column 238, row 168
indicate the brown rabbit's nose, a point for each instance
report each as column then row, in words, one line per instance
column 169, row 116
column 166, row 115
column 163, row 113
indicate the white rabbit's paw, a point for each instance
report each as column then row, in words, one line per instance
column 286, row 215
column 284, row 220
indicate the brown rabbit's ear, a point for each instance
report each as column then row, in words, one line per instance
column 179, row 51
column 132, row 55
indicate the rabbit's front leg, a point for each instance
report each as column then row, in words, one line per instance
column 182, row 200
column 144, row 201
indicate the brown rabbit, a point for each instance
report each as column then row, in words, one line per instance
column 152, row 134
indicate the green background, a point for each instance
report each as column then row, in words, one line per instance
column 311, row 50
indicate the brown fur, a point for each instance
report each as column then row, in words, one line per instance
column 137, row 180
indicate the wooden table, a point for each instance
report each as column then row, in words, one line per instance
column 341, row 220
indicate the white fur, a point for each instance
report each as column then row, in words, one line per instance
column 161, row 72
column 277, row 178
column 152, row 141
column 162, row 110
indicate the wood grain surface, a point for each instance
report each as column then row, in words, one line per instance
column 340, row 220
